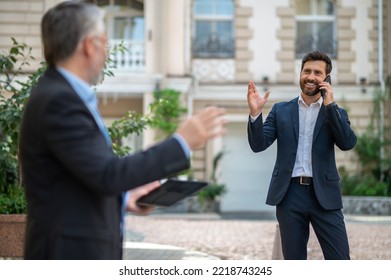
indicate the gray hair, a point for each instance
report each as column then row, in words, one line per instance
column 67, row 24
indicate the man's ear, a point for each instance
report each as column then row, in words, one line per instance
column 88, row 46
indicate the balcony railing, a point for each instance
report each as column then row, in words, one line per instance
column 133, row 59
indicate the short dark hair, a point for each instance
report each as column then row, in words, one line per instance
column 64, row 26
column 318, row 55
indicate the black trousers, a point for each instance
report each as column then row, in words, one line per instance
column 297, row 210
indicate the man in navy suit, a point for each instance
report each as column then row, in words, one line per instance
column 76, row 187
column 305, row 184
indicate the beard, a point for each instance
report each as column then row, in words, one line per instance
column 98, row 78
column 309, row 92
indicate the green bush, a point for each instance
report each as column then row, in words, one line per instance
column 214, row 189
column 11, row 108
column 13, row 202
column 211, row 192
column 374, row 177
column 166, row 111
column 364, row 185
column 370, row 186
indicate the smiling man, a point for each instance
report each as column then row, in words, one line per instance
column 305, row 184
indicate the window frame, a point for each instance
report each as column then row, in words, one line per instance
column 315, row 19
column 214, row 19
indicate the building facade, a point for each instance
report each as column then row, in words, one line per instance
column 209, row 50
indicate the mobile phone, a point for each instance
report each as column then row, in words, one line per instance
column 328, row 79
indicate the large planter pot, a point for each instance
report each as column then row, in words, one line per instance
column 12, row 234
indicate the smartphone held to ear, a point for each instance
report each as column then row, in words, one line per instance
column 328, row 80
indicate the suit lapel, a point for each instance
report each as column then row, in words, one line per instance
column 319, row 122
column 295, row 116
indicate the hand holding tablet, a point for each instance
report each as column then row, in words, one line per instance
column 170, row 192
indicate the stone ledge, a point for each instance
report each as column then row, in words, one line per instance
column 367, row 205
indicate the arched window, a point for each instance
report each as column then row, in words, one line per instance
column 315, row 27
column 213, row 33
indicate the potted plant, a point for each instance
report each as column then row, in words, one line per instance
column 14, row 93
column 209, row 197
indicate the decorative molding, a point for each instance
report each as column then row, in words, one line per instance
column 214, row 70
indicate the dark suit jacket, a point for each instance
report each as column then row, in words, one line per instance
column 73, row 180
column 332, row 128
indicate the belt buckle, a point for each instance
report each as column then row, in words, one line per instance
column 303, row 183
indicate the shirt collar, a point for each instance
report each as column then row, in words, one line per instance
column 82, row 88
column 302, row 102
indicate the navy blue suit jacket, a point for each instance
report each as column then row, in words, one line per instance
column 282, row 124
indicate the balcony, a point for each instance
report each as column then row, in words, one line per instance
column 132, row 60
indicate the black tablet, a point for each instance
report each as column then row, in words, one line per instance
column 171, row 191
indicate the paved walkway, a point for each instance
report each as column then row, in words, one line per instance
column 165, row 236
column 151, row 251
column 134, row 250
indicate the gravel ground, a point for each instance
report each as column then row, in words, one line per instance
column 241, row 238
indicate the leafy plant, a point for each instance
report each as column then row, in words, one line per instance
column 11, row 108
column 13, row 202
column 374, row 177
column 215, row 189
column 211, row 192
column 131, row 123
column 166, row 111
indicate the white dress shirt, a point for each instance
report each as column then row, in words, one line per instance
column 307, row 119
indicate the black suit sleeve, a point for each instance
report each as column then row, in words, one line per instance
column 78, row 144
column 344, row 136
column 261, row 135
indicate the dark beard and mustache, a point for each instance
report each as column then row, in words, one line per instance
column 309, row 92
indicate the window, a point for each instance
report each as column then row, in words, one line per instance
column 124, row 18
column 315, row 27
column 135, row 4
column 125, row 26
column 128, row 28
column 213, row 29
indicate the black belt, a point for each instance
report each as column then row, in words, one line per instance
column 305, row 181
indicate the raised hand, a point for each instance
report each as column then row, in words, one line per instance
column 203, row 126
column 255, row 100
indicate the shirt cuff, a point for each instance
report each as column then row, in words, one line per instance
column 125, row 200
column 331, row 104
column 185, row 147
column 253, row 118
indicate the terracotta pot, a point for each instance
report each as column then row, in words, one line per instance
column 12, row 234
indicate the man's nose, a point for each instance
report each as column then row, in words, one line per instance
column 311, row 76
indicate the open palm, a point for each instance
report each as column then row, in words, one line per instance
column 255, row 100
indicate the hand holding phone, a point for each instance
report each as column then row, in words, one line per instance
column 328, row 80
